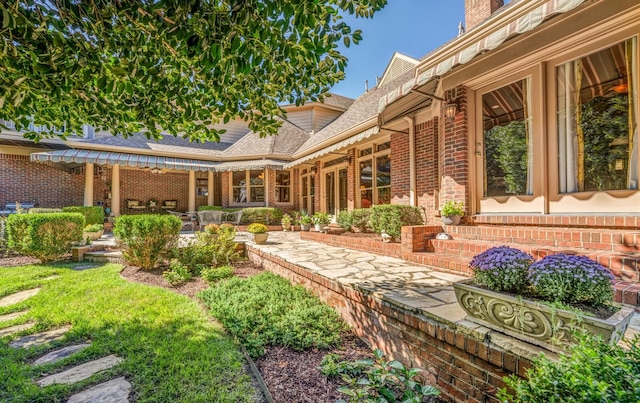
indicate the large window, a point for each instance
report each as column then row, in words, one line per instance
column 597, row 128
column 248, row 187
column 374, row 168
column 506, row 119
column 307, row 185
column 283, row 187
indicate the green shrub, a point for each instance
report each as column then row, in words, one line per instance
column 46, row 237
column 93, row 228
column 355, row 219
column 214, row 274
column 391, row 217
column 209, row 249
column 92, row 214
column 377, row 380
column 594, row 371
column 265, row 215
column 267, row 310
column 177, row 273
column 205, row 208
column 143, row 238
column 43, row 210
column 4, row 248
column 257, row 228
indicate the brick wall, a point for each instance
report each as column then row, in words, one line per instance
column 427, row 167
column 143, row 185
column 454, row 163
column 47, row 184
column 400, row 169
column 476, row 11
column 463, row 365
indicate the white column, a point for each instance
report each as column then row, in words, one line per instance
column 115, row 190
column 267, row 188
column 192, row 191
column 210, row 188
column 412, row 162
column 88, row 184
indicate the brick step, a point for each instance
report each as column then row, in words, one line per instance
column 626, row 221
column 626, row 292
column 103, row 257
column 624, row 266
column 612, row 240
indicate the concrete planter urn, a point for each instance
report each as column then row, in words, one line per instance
column 260, row 239
column 451, row 220
column 532, row 321
column 92, row 235
column 305, row 227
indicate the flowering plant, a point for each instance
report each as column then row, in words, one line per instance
column 211, row 229
column 502, row 268
column 257, row 228
column 571, row 278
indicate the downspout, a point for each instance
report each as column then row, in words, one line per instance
column 412, row 160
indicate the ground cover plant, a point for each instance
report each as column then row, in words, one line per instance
column 267, row 310
column 172, row 351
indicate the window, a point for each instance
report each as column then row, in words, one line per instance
column 597, row 128
column 375, row 165
column 249, row 183
column 506, row 120
column 307, row 185
column 283, row 187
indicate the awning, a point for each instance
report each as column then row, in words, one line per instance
column 248, row 165
column 130, row 160
column 334, row 147
column 412, row 96
column 524, row 24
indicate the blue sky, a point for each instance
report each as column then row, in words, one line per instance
column 411, row 27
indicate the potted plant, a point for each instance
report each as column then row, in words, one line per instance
column 545, row 302
column 259, row 232
column 93, row 232
column 305, row 222
column 286, row 222
column 320, row 219
column 451, row 212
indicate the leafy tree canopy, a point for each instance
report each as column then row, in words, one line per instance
column 176, row 65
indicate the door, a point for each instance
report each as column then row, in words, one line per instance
column 335, row 182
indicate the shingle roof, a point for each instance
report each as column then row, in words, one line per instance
column 363, row 108
column 338, row 101
column 290, row 137
column 169, row 144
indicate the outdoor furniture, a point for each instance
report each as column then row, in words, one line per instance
column 233, row 218
column 169, row 205
column 207, row 217
column 10, row 208
column 185, row 217
column 135, row 205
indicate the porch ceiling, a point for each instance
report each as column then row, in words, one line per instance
column 248, row 165
column 131, row 160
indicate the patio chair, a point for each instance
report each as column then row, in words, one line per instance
column 169, row 205
column 233, row 218
column 207, row 217
column 135, row 205
column 186, row 219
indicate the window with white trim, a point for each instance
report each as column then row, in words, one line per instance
column 248, row 187
column 374, row 174
column 283, row 186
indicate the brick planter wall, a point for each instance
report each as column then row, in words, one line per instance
column 460, row 359
column 366, row 242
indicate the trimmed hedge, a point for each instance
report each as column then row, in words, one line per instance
column 355, row 219
column 391, row 217
column 264, row 215
column 205, row 208
column 92, row 214
column 144, row 237
column 44, row 210
column 46, row 237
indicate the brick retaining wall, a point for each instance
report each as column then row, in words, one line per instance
column 465, row 361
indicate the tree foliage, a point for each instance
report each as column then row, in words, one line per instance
column 174, row 65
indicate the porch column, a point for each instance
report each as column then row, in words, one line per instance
column 412, row 161
column 192, row 191
column 267, row 188
column 115, row 190
column 210, row 188
column 88, row 184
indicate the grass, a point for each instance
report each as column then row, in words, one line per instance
column 172, row 351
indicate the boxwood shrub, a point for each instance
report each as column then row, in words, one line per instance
column 144, row 238
column 391, row 217
column 205, row 208
column 264, row 215
column 46, row 237
column 355, row 219
column 92, row 214
column 44, row 210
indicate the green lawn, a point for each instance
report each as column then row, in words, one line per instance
column 172, row 350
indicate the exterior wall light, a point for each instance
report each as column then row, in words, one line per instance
column 450, row 110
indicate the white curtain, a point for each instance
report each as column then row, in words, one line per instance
column 567, row 139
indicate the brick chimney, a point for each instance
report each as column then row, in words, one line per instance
column 476, row 11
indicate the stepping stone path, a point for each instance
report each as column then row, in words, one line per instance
column 39, row 338
column 18, row 297
column 81, row 372
column 16, row 329
column 60, row 354
column 114, row 391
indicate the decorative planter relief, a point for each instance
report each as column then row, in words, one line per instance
column 534, row 322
